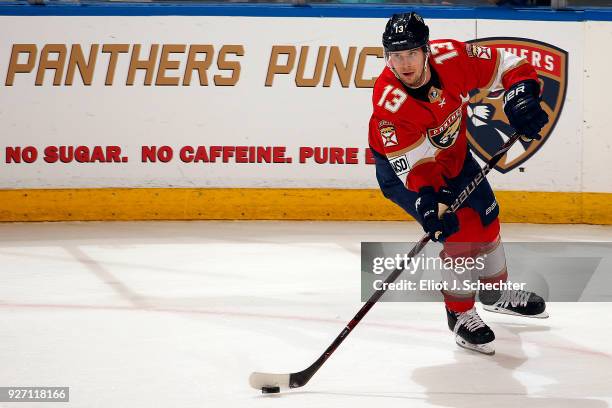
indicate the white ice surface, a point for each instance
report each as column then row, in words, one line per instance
column 177, row 314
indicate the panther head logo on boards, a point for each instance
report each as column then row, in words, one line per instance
column 487, row 125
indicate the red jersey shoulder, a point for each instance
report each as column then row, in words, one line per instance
column 463, row 66
column 447, row 52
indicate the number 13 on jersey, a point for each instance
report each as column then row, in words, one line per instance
column 398, row 98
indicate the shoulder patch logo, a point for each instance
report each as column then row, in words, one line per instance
column 478, row 51
column 387, row 132
column 487, row 125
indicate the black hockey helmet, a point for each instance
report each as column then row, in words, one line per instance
column 405, row 31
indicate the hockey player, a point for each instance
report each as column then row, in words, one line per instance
column 417, row 133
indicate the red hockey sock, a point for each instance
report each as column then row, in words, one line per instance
column 458, row 304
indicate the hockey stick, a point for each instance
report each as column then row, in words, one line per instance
column 269, row 382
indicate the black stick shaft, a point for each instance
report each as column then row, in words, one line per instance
column 301, row 378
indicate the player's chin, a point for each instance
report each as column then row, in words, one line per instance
column 409, row 78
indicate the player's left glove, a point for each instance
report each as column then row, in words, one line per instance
column 522, row 107
column 427, row 207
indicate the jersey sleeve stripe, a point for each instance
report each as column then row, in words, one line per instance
column 511, row 67
column 506, row 61
column 424, row 160
column 407, row 149
column 495, row 78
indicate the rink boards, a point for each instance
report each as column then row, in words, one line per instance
column 219, row 117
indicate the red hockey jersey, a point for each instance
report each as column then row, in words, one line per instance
column 426, row 141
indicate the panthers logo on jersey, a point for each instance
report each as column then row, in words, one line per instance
column 487, row 125
column 445, row 135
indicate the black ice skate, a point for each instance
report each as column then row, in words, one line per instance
column 470, row 331
column 514, row 302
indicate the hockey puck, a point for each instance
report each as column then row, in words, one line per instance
column 270, row 390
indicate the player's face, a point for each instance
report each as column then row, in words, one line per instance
column 409, row 65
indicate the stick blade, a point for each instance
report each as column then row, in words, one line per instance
column 259, row 380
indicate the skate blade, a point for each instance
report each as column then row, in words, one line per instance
column 486, row 348
column 496, row 309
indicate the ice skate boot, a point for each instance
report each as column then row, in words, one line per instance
column 470, row 331
column 514, row 302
